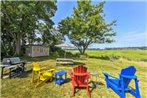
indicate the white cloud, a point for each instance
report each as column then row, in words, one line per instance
column 135, row 36
column 130, row 39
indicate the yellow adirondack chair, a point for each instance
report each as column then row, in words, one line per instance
column 43, row 74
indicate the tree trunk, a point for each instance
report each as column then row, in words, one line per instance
column 82, row 51
column 82, row 48
column 18, row 45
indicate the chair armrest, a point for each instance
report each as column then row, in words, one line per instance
column 108, row 75
column 72, row 78
column 81, row 74
column 88, row 76
column 71, row 74
column 43, row 68
column 51, row 70
column 129, row 77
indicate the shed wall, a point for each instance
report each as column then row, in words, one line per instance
column 36, row 51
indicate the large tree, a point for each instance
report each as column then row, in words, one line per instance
column 87, row 25
column 20, row 19
column 50, row 36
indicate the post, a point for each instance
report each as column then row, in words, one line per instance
column 2, row 72
column 65, row 54
column 33, row 76
column 10, row 74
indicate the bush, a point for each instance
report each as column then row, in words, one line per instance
column 56, row 52
column 85, row 56
column 77, row 55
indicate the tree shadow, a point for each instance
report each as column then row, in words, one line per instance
column 79, row 63
column 37, row 59
column 111, row 58
column 100, row 57
column 80, row 58
column 70, row 65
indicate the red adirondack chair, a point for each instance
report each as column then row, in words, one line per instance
column 80, row 78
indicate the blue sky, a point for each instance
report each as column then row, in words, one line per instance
column 131, row 19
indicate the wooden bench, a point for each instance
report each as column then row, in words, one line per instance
column 11, row 63
column 64, row 61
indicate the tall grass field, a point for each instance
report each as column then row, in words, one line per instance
column 110, row 61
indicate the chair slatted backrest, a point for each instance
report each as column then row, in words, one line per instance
column 80, row 69
column 129, row 71
column 36, row 66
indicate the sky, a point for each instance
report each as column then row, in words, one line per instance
column 131, row 16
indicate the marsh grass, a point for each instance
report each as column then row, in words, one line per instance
column 23, row 88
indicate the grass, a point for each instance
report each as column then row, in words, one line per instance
column 137, row 55
column 23, row 88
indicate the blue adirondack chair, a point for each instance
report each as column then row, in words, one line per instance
column 120, row 85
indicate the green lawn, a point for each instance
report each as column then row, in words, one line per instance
column 97, row 61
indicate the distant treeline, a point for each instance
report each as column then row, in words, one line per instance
column 143, row 48
column 116, row 48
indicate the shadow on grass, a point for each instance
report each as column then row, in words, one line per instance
column 132, row 88
column 42, row 83
column 100, row 57
column 79, row 88
column 80, row 58
column 105, row 57
column 79, row 63
column 37, row 59
column 83, row 88
column 67, row 80
column 94, row 85
column 70, row 65
column 91, row 88
column 26, row 73
column 17, row 74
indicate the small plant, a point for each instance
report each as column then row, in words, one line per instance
column 85, row 56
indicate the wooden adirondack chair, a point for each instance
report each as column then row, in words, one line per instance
column 121, row 85
column 79, row 78
column 43, row 74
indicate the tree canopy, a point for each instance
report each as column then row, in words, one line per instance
column 21, row 19
column 87, row 25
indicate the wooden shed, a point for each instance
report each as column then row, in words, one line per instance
column 37, row 50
